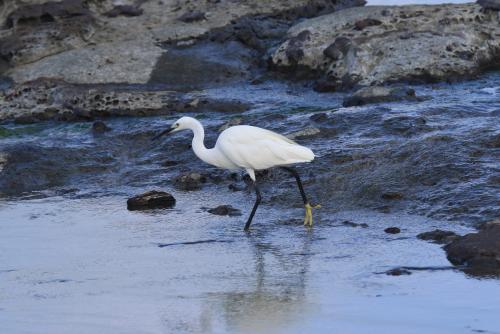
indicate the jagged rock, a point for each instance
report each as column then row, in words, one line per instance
column 151, row 200
column 383, row 44
column 438, row 236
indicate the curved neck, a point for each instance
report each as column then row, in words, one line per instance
column 198, row 142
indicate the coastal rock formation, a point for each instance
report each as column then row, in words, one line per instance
column 383, row 44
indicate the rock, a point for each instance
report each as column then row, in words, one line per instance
column 489, row 4
column 351, row 224
column 478, row 252
column 230, row 123
column 375, row 45
column 325, row 86
column 392, row 230
column 398, row 272
column 189, row 181
column 378, row 94
column 319, row 117
column 151, row 200
column 125, row 10
column 192, row 16
column 225, row 210
column 392, row 195
column 438, row 236
column 304, row 133
column 100, row 127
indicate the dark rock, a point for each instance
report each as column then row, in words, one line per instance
column 189, row 181
column 392, row 195
column 151, row 200
column 294, row 50
column 438, row 236
column 319, row 117
column 405, row 125
column 489, row 4
column 398, row 272
column 362, row 24
column 169, row 163
column 225, row 210
column 378, row 94
column 100, row 127
column 192, row 16
column 479, row 252
column 325, row 86
column 338, row 48
column 125, row 10
column 351, row 224
column 392, row 230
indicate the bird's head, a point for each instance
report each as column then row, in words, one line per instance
column 182, row 123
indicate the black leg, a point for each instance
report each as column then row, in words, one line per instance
column 299, row 182
column 257, row 202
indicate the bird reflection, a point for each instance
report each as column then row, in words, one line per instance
column 278, row 294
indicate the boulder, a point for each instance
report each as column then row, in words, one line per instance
column 151, row 200
column 478, row 252
column 383, row 44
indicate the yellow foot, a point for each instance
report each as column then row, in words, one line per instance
column 308, row 219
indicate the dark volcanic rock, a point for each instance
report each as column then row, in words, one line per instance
column 189, row 181
column 225, row 210
column 479, row 252
column 151, row 200
column 392, row 230
column 489, row 4
column 338, row 49
column 378, row 94
column 438, row 236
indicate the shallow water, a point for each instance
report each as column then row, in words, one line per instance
column 72, row 258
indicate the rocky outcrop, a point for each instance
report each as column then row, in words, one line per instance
column 90, row 41
column 478, row 252
column 375, row 45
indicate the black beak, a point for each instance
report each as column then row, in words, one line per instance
column 162, row 134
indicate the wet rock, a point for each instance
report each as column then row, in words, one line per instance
column 396, row 44
column 225, row 210
column 125, row 10
column 325, row 86
column 438, row 236
column 392, row 196
column 230, row 123
column 489, row 4
column 378, row 94
column 405, row 125
column 351, row 224
column 100, row 127
column 304, row 133
column 478, row 252
column 169, row 163
column 189, row 181
column 151, row 200
column 319, row 117
column 398, row 272
column 192, row 16
column 392, row 230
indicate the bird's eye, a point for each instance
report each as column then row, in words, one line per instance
column 176, row 125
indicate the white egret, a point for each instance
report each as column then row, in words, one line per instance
column 249, row 148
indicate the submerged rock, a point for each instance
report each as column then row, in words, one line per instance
column 189, row 181
column 225, row 210
column 382, row 44
column 151, row 200
column 478, row 252
column 438, row 236
column 392, row 230
column 378, row 94
column 100, row 127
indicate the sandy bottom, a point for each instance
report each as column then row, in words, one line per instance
column 90, row 266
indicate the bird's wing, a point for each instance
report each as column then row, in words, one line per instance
column 257, row 148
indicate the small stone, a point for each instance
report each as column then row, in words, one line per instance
column 189, row 181
column 225, row 210
column 438, row 236
column 192, row 16
column 100, row 127
column 151, row 200
column 392, row 230
column 398, row 272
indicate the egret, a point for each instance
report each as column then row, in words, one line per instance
column 250, row 148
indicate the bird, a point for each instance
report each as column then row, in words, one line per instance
column 249, row 148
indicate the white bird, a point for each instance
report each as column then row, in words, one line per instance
column 249, row 148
